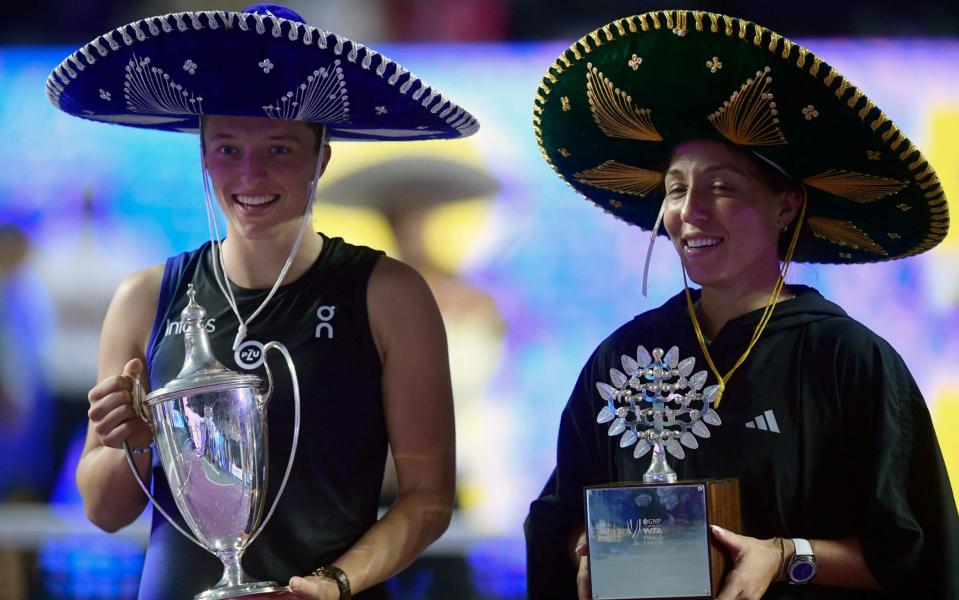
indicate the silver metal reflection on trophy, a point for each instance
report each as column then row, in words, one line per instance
column 659, row 406
column 210, row 431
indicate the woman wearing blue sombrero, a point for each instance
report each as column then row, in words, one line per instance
column 750, row 152
column 266, row 92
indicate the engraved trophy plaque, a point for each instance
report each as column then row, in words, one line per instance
column 651, row 540
column 210, row 431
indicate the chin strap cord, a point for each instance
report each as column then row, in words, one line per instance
column 649, row 249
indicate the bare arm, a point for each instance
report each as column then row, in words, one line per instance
column 418, row 405
column 755, row 564
column 111, row 497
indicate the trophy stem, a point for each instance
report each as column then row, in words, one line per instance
column 659, row 470
column 233, row 573
column 235, row 583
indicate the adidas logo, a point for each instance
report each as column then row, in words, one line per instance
column 765, row 422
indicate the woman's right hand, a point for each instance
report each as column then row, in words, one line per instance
column 111, row 413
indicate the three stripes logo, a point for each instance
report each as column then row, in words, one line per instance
column 764, row 422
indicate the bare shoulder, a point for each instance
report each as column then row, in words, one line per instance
column 399, row 301
column 131, row 313
column 391, row 278
column 139, row 291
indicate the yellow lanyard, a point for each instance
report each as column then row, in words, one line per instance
column 767, row 313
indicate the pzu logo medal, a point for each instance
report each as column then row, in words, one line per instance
column 249, row 355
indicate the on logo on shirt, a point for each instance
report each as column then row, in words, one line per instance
column 325, row 314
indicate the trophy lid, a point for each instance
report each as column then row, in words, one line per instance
column 201, row 372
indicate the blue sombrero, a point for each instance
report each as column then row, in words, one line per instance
column 163, row 72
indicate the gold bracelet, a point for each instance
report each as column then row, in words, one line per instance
column 782, row 559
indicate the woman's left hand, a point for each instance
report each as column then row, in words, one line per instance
column 304, row 588
column 755, row 565
column 315, row 588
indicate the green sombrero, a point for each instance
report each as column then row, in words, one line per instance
column 613, row 106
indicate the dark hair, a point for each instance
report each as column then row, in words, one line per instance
column 318, row 129
column 774, row 178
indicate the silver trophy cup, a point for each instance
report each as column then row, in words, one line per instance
column 210, row 430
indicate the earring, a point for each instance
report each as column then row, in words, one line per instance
column 782, row 226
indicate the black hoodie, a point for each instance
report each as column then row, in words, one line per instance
column 823, row 425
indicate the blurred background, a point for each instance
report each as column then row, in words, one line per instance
column 528, row 275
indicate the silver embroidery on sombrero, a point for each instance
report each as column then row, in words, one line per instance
column 618, row 177
column 614, row 111
column 148, row 89
column 322, row 98
column 749, row 118
column 858, row 187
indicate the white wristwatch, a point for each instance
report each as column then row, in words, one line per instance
column 802, row 567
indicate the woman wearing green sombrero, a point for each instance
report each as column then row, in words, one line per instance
column 266, row 91
column 752, row 153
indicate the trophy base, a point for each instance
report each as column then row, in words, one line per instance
column 244, row 589
column 652, row 540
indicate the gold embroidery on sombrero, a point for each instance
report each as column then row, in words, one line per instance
column 680, row 28
column 932, row 182
column 858, row 187
column 614, row 111
column 713, row 22
column 774, row 41
column 843, row 233
column 148, row 89
column 618, row 177
column 749, row 118
column 698, row 17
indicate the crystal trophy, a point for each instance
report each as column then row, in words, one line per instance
column 210, row 431
column 651, row 539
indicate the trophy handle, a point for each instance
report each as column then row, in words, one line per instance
column 296, row 424
column 139, row 402
column 140, row 408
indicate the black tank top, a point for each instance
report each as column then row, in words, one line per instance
column 332, row 494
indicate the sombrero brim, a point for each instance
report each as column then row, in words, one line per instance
column 163, row 72
column 613, row 106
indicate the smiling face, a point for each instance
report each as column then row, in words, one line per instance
column 261, row 171
column 723, row 218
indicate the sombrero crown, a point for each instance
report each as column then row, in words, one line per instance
column 163, row 72
column 613, row 106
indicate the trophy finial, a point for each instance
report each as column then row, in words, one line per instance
column 193, row 313
column 199, row 357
